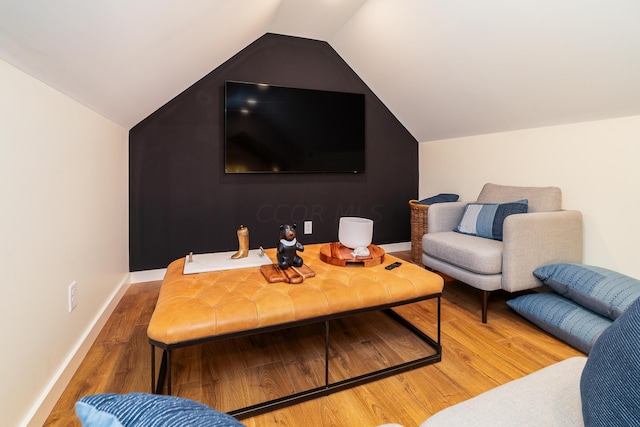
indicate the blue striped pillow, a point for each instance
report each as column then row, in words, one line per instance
column 609, row 383
column 486, row 219
column 142, row 409
column 562, row 318
column 604, row 291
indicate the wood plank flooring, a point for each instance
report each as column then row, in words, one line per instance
column 234, row 373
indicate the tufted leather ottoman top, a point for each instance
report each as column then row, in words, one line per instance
column 202, row 305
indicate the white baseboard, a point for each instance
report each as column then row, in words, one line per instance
column 45, row 404
column 396, row 247
column 147, row 275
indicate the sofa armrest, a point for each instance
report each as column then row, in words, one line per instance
column 444, row 216
column 535, row 239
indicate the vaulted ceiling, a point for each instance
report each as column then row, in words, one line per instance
column 445, row 68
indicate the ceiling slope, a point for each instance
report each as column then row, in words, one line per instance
column 125, row 59
column 444, row 68
column 456, row 68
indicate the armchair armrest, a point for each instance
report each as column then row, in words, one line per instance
column 444, row 216
column 535, row 239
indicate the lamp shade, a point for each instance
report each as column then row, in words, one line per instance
column 354, row 232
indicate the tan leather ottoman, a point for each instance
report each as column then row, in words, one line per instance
column 198, row 308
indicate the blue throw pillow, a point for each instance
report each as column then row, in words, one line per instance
column 604, row 291
column 142, row 409
column 562, row 318
column 610, row 382
column 486, row 219
column 440, row 198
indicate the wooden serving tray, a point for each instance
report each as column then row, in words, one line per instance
column 274, row 274
column 337, row 254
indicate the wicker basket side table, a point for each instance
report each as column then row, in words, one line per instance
column 418, row 229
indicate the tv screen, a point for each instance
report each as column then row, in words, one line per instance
column 275, row 129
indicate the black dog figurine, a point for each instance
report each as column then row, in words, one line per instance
column 287, row 247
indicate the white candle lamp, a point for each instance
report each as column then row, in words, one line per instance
column 356, row 233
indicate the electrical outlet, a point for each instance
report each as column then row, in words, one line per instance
column 73, row 296
column 308, row 227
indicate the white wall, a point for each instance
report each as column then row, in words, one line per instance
column 596, row 164
column 63, row 218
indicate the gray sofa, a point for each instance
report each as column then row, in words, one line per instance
column 546, row 234
column 548, row 397
column 601, row 390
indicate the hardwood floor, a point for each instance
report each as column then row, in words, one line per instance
column 235, row 373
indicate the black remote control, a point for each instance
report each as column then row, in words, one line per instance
column 393, row 265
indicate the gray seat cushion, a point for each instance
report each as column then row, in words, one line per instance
column 483, row 256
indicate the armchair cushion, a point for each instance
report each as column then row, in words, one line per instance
column 606, row 292
column 487, row 219
column 562, row 318
column 482, row 256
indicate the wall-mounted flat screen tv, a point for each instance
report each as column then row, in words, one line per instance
column 275, row 129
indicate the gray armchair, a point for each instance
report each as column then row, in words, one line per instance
column 545, row 235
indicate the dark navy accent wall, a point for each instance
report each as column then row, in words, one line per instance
column 181, row 201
